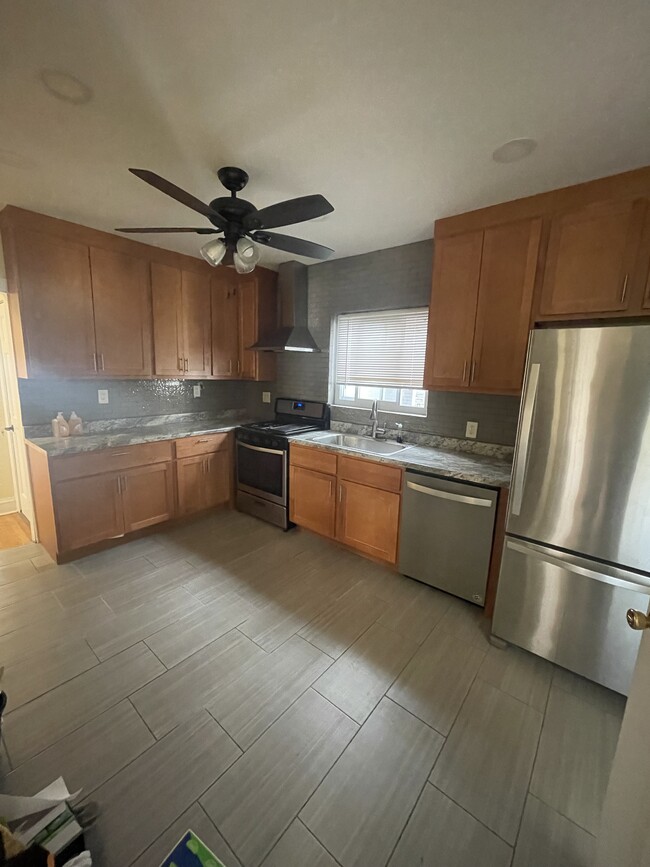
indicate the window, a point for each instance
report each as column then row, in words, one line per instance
column 380, row 356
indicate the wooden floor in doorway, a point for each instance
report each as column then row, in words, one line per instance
column 13, row 531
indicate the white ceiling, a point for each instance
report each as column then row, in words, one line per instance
column 390, row 109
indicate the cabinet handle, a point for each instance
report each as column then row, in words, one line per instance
column 229, row 366
column 473, row 373
column 101, row 358
column 95, row 361
column 119, row 484
column 624, row 289
column 340, row 493
column 464, row 370
column 238, row 365
column 118, row 454
column 186, row 366
column 180, row 363
column 124, row 483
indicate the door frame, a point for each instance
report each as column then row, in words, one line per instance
column 10, row 396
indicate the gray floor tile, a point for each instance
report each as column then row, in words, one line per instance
column 343, row 621
column 441, row 832
column 298, row 848
column 41, row 672
column 129, row 627
column 28, row 612
column 196, row 682
column 140, row 802
column 55, row 579
column 486, row 763
column 360, row 808
column 416, row 617
column 255, row 800
column 248, row 705
column 358, row 679
column 575, row 757
column 547, row 839
column 22, row 552
column 435, row 682
column 466, row 622
column 87, row 757
column 190, row 633
column 5, row 763
column 16, row 571
column 601, row 697
column 522, row 675
column 193, row 819
column 42, row 722
column 148, row 587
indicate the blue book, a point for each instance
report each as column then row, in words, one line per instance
column 190, row 851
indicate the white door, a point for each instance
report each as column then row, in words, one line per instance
column 624, row 839
column 15, row 433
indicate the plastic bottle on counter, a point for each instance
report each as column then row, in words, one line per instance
column 75, row 424
column 64, row 427
column 55, row 426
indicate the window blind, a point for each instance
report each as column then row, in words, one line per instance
column 381, row 348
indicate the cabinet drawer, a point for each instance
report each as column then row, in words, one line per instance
column 107, row 460
column 370, row 473
column 201, row 445
column 313, row 459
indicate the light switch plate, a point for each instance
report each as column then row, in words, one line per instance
column 102, row 395
column 197, row 390
column 266, row 397
column 471, row 430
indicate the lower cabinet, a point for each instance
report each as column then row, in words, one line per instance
column 313, row 500
column 88, row 510
column 368, row 520
column 203, row 482
column 147, row 496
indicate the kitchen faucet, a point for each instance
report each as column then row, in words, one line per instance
column 373, row 418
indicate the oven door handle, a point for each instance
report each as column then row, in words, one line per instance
column 260, row 449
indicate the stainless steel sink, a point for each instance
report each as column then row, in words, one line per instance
column 360, row 444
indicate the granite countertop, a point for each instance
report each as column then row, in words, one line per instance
column 480, row 469
column 55, row 447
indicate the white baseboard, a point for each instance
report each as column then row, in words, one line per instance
column 8, row 505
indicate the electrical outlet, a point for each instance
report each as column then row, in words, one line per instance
column 471, row 430
column 102, row 395
column 197, row 390
column 266, row 397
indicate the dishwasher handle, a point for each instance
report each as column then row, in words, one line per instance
column 445, row 495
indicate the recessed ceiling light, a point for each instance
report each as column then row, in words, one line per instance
column 64, row 86
column 514, row 150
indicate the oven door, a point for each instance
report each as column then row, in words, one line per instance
column 262, row 472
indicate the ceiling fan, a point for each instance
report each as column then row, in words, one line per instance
column 242, row 225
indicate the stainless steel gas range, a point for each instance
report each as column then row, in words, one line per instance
column 263, row 457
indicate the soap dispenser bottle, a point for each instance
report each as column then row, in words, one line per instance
column 64, row 428
column 75, row 424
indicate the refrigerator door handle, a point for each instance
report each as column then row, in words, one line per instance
column 521, row 460
column 604, row 577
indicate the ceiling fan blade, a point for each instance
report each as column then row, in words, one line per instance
column 180, row 195
column 289, row 212
column 169, row 229
column 292, row 245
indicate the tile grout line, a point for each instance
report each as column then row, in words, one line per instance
column 311, row 834
column 476, row 819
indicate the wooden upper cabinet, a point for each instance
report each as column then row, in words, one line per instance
column 167, row 319
column 590, row 262
column 452, row 312
column 51, row 304
column 121, row 302
column 225, row 325
column 258, row 311
column 197, row 332
column 505, row 297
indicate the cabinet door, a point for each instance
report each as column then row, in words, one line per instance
column 197, row 337
column 190, row 475
column 248, row 331
column 257, row 315
column 590, row 259
column 122, row 313
column 452, row 312
column 368, row 520
column 147, row 495
column 312, row 501
column 505, row 298
column 88, row 510
column 167, row 319
column 56, row 305
column 217, row 468
column 225, row 325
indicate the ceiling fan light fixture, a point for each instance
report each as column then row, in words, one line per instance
column 214, row 251
column 245, row 256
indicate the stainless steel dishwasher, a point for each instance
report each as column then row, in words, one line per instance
column 446, row 532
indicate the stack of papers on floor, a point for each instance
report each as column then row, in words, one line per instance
column 190, row 851
column 45, row 818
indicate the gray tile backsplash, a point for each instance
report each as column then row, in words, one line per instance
column 382, row 280
column 42, row 399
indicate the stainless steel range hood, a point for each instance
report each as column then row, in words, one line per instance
column 293, row 334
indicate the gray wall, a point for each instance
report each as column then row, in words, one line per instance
column 42, row 399
column 382, row 280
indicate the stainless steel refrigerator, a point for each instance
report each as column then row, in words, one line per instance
column 577, row 548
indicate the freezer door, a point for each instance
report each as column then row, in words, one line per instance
column 571, row 611
column 581, row 477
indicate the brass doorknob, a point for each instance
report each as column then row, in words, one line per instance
column 637, row 619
